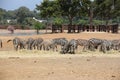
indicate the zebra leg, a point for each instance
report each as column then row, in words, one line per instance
column 16, row 47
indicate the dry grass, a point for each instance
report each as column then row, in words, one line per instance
column 36, row 53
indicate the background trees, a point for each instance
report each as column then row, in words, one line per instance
column 70, row 11
column 65, row 8
column 22, row 13
column 70, row 8
column 38, row 26
column 48, row 9
column 2, row 15
column 74, row 9
column 107, row 9
column 21, row 17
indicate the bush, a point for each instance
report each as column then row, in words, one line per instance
column 58, row 21
column 38, row 26
column 82, row 22
column 98, row 22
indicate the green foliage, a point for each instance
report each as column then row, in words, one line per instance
column 64, row 8
column 22, row 13
column 107, row 9
column 38, row 25
column 98, row 22
column 58, row 21
column 29, row 21
column 3, row 21
column 70, row 9
column 82, row 22
column 48, row 8
column 2, row 13
column 13, row 22
column 11, row 14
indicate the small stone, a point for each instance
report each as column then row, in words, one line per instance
column 29, row 76
column 113, row 76
column 52, row 72
column 88, row 59
column 69, row 57
column 35, row 61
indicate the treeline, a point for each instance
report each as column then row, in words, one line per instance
column 81, row 11
column 60, row 12
column 19, row 17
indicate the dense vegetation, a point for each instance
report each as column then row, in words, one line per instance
column 65, row 12
column 81, row 11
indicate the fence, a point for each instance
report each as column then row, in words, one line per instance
column 81, row 28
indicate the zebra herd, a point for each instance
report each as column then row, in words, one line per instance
column 66, row 46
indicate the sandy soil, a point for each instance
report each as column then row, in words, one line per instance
column 38, row 65
column 57, row 67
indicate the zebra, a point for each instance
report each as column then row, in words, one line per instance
column 37, row 43
column 106, row 45
column 18, row 43
column 82, row 42
column 29, row 43
column 70, row 47
column 47, row 45
column 93, row 43
column 60, row 41
column 116, row 44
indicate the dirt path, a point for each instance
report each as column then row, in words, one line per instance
column 60, row 67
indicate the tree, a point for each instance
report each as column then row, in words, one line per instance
column 2, row 15
column 29, row 21
column 22, row 13
column 2, row 12
column 11, row 14
column 64, row 8
column 38, row 26
column 70, row 8
column 107, row 9
column 48, row 8
column 58, row 21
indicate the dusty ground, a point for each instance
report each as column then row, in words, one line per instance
column 39, row 65
column 56, row 66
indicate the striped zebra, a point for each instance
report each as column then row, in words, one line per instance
column 83, row 42
column 94, row 43
column 106, row 45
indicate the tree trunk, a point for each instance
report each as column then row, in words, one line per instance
column 37, row 31
column 91, row 19
column 107, row 20
column 70, row 24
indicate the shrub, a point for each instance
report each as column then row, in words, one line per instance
column 58, row 21
column 38, row 26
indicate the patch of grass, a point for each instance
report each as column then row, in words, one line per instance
column 97, row 52
column 25, row 51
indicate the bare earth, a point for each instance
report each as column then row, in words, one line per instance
column 40, row 65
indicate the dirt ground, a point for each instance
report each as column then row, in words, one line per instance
column 60, row 67
column 38, row 65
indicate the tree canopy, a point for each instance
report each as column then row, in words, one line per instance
column 107, row 9
column 71, row 11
